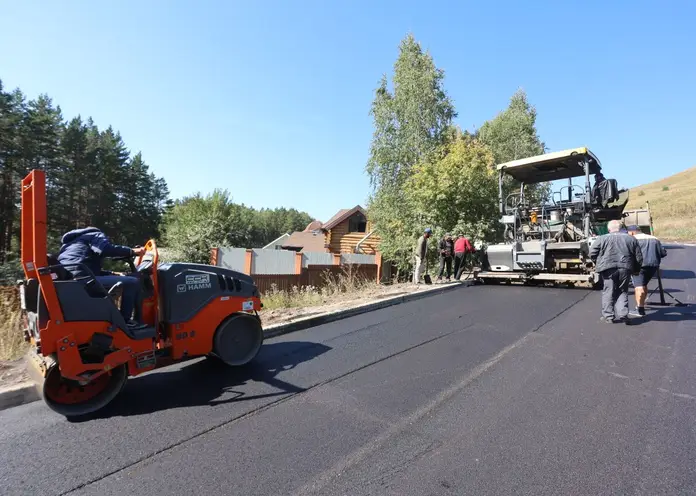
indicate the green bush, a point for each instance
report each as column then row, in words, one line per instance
column 641, row 193
column 10, row 272
column 665, row 188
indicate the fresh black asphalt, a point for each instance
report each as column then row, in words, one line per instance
column 482, row 390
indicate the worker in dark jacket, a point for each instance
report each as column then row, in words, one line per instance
column 420, row 253
column 616, row 255
column 89, row 247
column 446, row 255
column 653, row 252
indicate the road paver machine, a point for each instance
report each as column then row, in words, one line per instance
column 549, row 240
column 83, row 351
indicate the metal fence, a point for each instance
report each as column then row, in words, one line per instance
column 317, row 258
column 357, row 258
column 232, row 258
column 284, row 269
column 272, row 261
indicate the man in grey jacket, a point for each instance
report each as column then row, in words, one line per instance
column 617, row 255
column 420, row 253
column 653, row 253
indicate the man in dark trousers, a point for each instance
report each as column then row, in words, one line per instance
column 446, row 254
column 653, row 253
column 89, row 247
column 616, row 255
column 461, row 247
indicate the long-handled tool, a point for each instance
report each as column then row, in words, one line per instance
column 662, row 291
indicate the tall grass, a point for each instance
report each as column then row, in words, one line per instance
column 348, row 282
column 672, row 204
column 12, row 344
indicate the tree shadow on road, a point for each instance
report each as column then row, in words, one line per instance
column 203, row 382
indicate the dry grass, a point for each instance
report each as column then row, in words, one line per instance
column 672, row 204
column 12, row 344
column 348, row 282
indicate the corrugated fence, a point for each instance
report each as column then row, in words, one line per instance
column 284, row 269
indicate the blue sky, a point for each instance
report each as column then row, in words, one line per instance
column 270, row 99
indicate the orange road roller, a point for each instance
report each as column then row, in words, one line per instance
column 83, row 351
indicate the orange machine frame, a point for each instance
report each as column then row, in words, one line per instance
column 189, row 339
column 59, row 337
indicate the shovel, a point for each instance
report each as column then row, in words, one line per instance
column 426, row 277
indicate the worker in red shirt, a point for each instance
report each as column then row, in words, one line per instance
column 461, row 247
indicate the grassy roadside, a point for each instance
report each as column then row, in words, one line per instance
column 672, row 204
column 335, row 286
column 12, row 345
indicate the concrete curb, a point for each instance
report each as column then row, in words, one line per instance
column 26, row 392
column 19, row 394
column 306, row 323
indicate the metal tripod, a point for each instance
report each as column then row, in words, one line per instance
column 662, row 291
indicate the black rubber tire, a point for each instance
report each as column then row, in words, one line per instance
column 116, row 383
column 238, row 339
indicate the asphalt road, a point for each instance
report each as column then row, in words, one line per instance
column 483, row 390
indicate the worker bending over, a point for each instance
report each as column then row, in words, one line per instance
column 89, row 246
column 653, row 252
column 461, row 247
column 616, row 255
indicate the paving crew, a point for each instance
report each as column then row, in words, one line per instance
column 461, row 247
column 420, row 253
column 616, row 255
column 446, row 254
column 653, row 252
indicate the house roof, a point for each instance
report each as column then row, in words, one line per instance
column 275, row 241
column 342, row 215
column 307, row 241
column 313, row 226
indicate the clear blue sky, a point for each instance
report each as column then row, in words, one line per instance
column 270, row 99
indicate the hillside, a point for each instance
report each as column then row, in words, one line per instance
column 672, row 204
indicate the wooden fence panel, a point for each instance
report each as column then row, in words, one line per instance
column 317, row 276
column 283, row 282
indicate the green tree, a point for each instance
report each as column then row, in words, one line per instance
column 12, row 110
column 198, row 223
column 512, row 135
column 410, row 123
column 412, row 120
column 457, row 189
column 91, row 179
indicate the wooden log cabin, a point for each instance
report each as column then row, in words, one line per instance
column 347, row 228
column 342, row 233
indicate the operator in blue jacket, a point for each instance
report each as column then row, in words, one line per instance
column 89, row 246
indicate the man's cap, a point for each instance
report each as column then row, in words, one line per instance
column 633, row 228
column 428, row 230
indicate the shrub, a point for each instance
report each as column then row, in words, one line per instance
column 12, row 343
column 665, row 188
column 641, row 193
